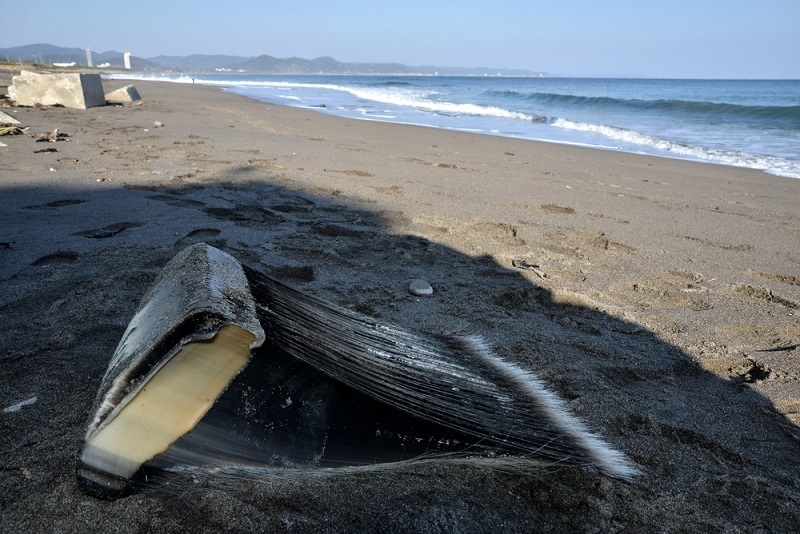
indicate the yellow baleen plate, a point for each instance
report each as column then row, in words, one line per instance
column 170, row 404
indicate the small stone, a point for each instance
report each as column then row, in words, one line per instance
column 420, row 288
column 18, row 406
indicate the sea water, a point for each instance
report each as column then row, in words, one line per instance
column 745, row 123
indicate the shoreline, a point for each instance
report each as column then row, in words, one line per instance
column 566, row 130
column 663, row 305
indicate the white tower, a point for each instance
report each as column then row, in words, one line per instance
column 88, row 58
column 126, row 58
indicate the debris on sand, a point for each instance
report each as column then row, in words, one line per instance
column 12, row 130
column 52, row 137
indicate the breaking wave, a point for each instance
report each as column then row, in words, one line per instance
column 788, row 114
column 772, row 164
column 420, row 99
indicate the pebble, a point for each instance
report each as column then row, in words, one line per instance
column 18, row 406
column 420, row 288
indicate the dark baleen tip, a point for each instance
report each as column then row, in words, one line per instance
column 101, row 485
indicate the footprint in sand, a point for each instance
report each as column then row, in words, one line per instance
column 300, row 273
column 295, row 205
column 337, row 230
column 56, row 204
column 501, row 233
column 202, row 233
column 207, row 235
column 672, row 289
column 393, row 191
column 177, row 202
column 60, row 257
column 767, row 295
column 246, row 215
column 108, row 231
column 774, row 277
column 352, row 172
column 555, row 208
column 581, row 243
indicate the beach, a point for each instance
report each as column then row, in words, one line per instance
column 659, row 297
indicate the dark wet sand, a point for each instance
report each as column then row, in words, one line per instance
column 664, row 307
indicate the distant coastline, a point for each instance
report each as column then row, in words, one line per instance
column 51, row 55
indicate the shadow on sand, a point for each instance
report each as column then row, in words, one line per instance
column 75, row 263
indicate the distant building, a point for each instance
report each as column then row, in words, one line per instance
column 72, row 64
column 126, row 58
column 88, row 58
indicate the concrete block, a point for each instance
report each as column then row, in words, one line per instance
column 73, row 90
column 123, row 95
column 5, row 118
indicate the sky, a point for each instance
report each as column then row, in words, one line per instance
column 630, row 38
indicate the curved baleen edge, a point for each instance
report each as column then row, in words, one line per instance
column 420, row 375
column 604, row 457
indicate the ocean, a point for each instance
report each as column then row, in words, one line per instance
column 744, row 123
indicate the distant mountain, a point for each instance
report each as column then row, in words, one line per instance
column 263, row 64
column 320, row 65
column 48, row 54
column 29, row 52
column 200, row 62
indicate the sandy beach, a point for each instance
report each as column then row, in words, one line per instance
column 659, row 297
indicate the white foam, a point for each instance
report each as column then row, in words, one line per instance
column 771, row 164
column 411, row 98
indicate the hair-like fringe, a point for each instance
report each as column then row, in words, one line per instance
column 530, row 387
column 183, row 480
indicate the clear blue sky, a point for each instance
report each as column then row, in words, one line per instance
column 638, row 38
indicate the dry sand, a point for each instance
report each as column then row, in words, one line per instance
column 665, row 306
